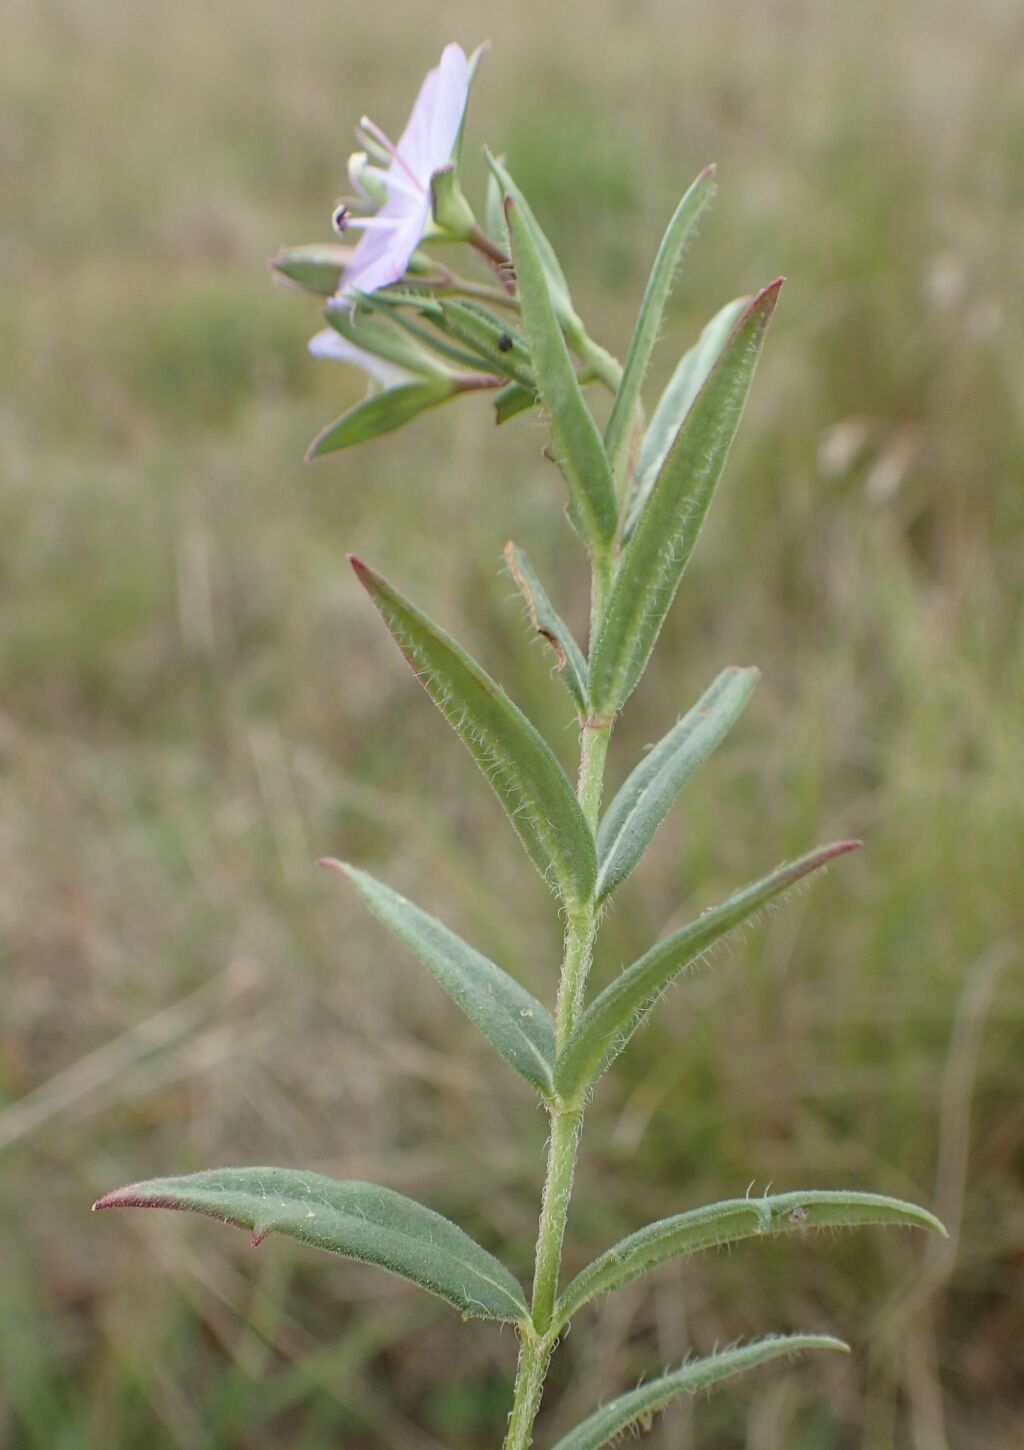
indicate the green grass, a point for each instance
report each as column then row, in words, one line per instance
column 197, row 703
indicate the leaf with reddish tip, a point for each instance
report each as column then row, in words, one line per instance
column 358, row 1220
column 519, row 764
column 637, row 1407
column 611, row 1019
column 670, row 524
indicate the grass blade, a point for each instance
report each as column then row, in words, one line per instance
column 572, row 667
column 611, row 1019
column 519, row 764
column 718, row 1224
column 669, row 526
column 578, row 448
column 381, row 414
column 654, row 786
column 676, row 401
column 648, row 323
column 359, row 1220
column 638, row 1405
column 519, row 1028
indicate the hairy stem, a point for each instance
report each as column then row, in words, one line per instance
column 580, row 931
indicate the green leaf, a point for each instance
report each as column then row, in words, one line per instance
column 382, row 338
column 360, row 1220
column 512, row 401
column 654, row 786
column 499, row 346
column 668, row 528
column 617, row 436
column 638, row 1405
column 572, row 667
column 557, row 286
column 494, row 210
column 521, row 767
column 611, row 1019
column 676, row 401
column 577, row 442
column 718, row 1224
column 511, row 1019
column 315, row 268
column 381, row 414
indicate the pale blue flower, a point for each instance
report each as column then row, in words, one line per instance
column 425, row 146
column 379, row 370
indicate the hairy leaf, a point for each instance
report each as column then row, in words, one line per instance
column 381, row 414
column 650, row 792
column 577, row 442
column 648, row 323
column 381, row 337
column 638, row 1405
column 557, row 286
column 518, row 762
column 512, row 401
column 611, row 1019
column 511, row 1019
column 667, row 531
column 498, row 345
column 728, row 1222
column 676, row 401
column 572, row 667
column 360, row 1220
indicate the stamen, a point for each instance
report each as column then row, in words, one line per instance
column 389, row 146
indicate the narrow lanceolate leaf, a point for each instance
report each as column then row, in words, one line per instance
column 667, row 531
column 520, row 765
column 612, row 1018
column 511, row 1019
column 572, row 667
column 512, row 401
column 374, row 335
column 648, row 324
column 654, row 786
column 728, row 1222
column 676, row 401
column 382, row 414
column 558, row 287
column 636, row 1407
column 577, row 442
column 359, row 1220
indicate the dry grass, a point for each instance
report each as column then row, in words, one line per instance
column 196, row 704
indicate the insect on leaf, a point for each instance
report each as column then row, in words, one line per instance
column 511, row 1019
column 359, row 1220
column 728, row 1222
column 654, row 786
column 605, row 1424
column 519, row 764
column 611, row 1019
column 668, row 528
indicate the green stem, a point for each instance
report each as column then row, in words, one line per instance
column 538, row 1341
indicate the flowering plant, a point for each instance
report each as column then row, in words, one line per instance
column 638, row 493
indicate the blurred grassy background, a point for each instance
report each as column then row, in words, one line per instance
column 197, row 702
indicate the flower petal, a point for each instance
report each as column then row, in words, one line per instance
column 429, row 139
column 331, row 344
column 383, row 253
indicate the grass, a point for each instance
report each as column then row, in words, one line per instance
column 197, row 704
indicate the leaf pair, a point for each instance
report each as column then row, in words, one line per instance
column 359, row 1220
